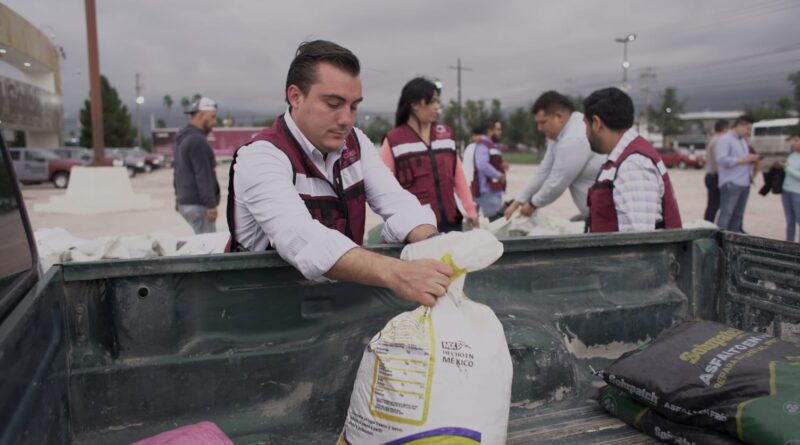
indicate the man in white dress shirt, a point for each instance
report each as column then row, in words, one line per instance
column 301, row 187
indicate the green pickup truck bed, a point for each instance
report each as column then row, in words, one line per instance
column 112, row 352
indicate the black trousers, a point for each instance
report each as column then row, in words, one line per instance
column 712, row 185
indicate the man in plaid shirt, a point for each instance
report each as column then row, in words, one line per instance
column 633, row 191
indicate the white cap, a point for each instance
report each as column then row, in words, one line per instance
column 202, row 104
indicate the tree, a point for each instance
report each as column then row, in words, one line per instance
column 666, row 115
column 377, row 128
column 161, row 123
column 577, row 102
column 185, row 102
column 167, row 103
column 118, row 129
column 767, row 111
column 794, row 78
column 450, row 118
column 196, row 97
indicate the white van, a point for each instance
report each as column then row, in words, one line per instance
column 769, row 136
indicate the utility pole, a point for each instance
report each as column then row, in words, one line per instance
column 96, row 99
column 458, row 69
column 139, row 102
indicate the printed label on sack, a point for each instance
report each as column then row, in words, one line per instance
column 403, row 371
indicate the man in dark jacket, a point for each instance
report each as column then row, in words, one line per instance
column 195, row 181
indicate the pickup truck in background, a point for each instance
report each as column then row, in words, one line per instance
column 38, row 165
column 112, row 352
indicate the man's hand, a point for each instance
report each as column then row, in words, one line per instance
column 421, row 281
column 511, row 209
column 212, row 214
column 748, row 159
column 527, row 209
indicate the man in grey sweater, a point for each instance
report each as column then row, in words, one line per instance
column 195, row 180
column 568, row 161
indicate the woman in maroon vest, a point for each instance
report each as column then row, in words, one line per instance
column 422, row 155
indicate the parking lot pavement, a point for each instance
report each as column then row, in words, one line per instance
column 764, row 216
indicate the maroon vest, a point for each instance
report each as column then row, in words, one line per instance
column 496, row 161
column 603, row 212
column 427, row 171
column 342, row 208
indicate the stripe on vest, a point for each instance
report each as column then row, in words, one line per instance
column 662, row 169
column 607, row 175
column 313, row 187
column 352, row 175
column 494, row 151
column 444, row 144
column 411, row 147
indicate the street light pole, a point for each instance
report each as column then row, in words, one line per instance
column 139, row 102
column 625, row 64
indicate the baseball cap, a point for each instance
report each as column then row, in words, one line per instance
column 202, row 104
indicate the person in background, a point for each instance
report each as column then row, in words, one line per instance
column 712, row 178
column 468, row 158
column 735, row 166
column 791, row 188
column 421, row 153
column 568, row 161
column 194, row 176
column 489, row 181
column 633, row 191
column 302, row 186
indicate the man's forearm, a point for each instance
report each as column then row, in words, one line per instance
column 421, row 232
column 362, row 266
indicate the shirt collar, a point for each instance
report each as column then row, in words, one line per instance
column 305, row 144
column 623, row 143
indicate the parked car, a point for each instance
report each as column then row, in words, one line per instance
column 681, row 158
column 86, row 156
column 132, row 160
column 38, row 165
column 152, row 160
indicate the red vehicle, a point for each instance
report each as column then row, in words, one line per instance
column 681, row 158
column 224, row 140
column 36, row 165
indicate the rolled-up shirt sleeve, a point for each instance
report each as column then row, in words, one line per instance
column 539, row 177
column 263, row 183
column 400, row 210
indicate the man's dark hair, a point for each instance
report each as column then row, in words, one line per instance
column 721, row 125
column 417, row 89
column 612, row 106
column 485, row 125
column 303, row 69
column 552, row 101
column 476, row 130
column 744, row 119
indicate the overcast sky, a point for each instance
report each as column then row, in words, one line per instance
column 721, row 54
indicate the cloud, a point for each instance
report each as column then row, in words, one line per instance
column 238, row 52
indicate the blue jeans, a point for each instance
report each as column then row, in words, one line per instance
column 791, row 208
column 197, row 217
column 490, row 204
column 732, row 202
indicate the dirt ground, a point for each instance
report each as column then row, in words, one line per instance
column 764, row 216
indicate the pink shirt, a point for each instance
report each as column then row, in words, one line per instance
column 463, row 191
